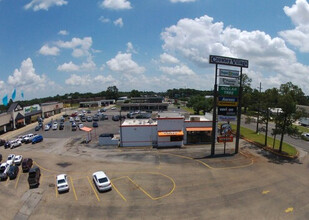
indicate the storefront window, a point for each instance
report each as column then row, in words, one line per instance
column 176, row 138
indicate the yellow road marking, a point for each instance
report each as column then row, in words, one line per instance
column 265, row 192
column 290, row 209
column 95, row 193
column 118, row 178
column 17, row 179
column 73, row 188
column 140, row 188
column 56, row 191
column 118, row 192
column 52, row 171
column 7, row 180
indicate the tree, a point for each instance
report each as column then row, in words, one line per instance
column 200, row 103
column 135, row 93
column 247, row 92
column 112, row 92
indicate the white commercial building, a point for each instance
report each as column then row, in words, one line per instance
column 167, row 130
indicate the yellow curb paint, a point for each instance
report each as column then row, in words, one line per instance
column 17, row 179
column 73, row 189
column 290, row 209
column 265, row 192
column 118, row 192
column 95, row 193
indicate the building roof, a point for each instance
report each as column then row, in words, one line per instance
column 303, row 107
column 132, row 122
column 13, row 106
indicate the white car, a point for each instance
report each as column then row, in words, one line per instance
column 15, row 143
column 113, row 108
column 4, row 168
column 55, row 126
column 18, row 159
column 101, row 181
column 71, row 119
column 62, row 183
column 28, row 138
column 77, row 119
column 46, row 128
column 305, row 136
column 10, row 159
column 80, row 126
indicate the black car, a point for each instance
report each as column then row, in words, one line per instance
column 2, row 142
column 13, row 172
column 34, row 177
column 74, row 127
column 37, row 128
column 7, row 145
column 116, row 118
column 95, row 118
column 95, row 124
column 26, row 164
column 61, row 126
column 83, row 119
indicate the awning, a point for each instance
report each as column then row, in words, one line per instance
column 199, row 129
column 170, row 133
column 87, row 129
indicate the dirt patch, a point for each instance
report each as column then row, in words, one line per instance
column 64, row 165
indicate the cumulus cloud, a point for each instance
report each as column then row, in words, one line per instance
column 118, row 22
column 104, row 20
column 130, row 48
column 299, row 14
column 72, row 67
column 167, row 58
column 37, row 5
column 49, row 51
column 195, row 39
column 177, row 70
column 63, row 32
column 123, row 63
column 79, row 46
column 116, row 4
column 86, row 80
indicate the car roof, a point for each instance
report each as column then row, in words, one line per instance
column 3, row 164
column 60, row 176
column 100, row 174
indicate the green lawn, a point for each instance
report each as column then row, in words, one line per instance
column 302, row 129
column 260, row 138
column 190, row 110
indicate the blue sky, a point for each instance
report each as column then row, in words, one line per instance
column 50, row 47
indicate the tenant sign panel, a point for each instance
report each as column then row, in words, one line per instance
column 228, row 90
column 228, row 82
column 228, row 73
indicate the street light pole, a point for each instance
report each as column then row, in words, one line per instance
column 259, row 103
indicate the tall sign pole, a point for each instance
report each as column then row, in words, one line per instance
column 227, row 92
column 214, row 114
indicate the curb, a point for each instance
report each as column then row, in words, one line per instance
column 271, row 150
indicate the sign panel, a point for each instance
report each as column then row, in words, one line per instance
column 227, row 101
column 225, row 139
column 226, row 129
column 32, row 108
column 228, row 81
column 228, row 90
column 226, row 118
column 224, row 110
column 228, row 61
column 229, row 73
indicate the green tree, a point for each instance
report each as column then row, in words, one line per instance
column 200, row 103
column 135, row 93
column 112, row 92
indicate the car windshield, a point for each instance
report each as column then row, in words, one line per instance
column 10, row 157
column 103, row 180
column 32, row 175
column 61, row 181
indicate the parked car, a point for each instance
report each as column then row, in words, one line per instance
column 71, row 119
column 305, row 136
column 83, row 119
column 74, row 127
column 103, row 117
column 88, row 111
column 47, row 127
column 103, row 110
column 95, row 124
column 4, row 168
column 113, row 108
column 61, row 126
column 13, row 172
column 26, row 164
column 15, row 143
column 7, row 144
column 29, row 138
column 2, row 142
column 10, row 159
column 89, row 118
column 37, row 128
column 115, row 118
column 101, row 181
column 18, row 159
column 34, row 177
column 62, row 183
column 37, row 139
column 95, row 118
column 77, row 119
column 80, row 125
column 55, row 126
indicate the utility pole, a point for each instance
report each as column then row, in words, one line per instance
column 259, row 103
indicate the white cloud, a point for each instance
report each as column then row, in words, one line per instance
column 130, row 48
column 79, row 46
column 2, row 84
column 116, row 4
column 182, row 1
column 46, row 50
column 76, row 80
column 37, row 5
column 63, row 32
column 94, row 81
column 177, row 70
column 123, row 63
column 299, row 14
column 104, row 20
column 195, row 39
column 167, row 58
column 118, row 22
column 72, row 67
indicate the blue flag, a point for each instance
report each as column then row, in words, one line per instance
column 22, row 94
column 14, row 94
column 5, row 100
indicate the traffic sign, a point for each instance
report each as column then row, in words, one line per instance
column 227, row 101
column 227, row 118
column 228, row 82
column 225, row 139
column 225, row 110
column 229, row 73
column 228, row 90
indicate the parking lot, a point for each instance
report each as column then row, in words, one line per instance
column 154, row 184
